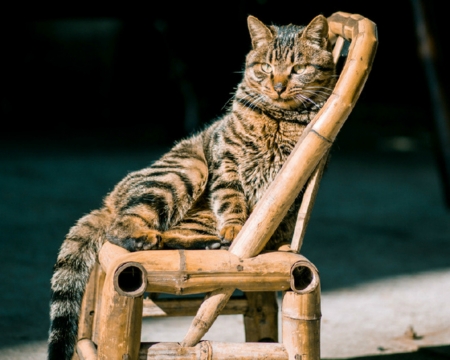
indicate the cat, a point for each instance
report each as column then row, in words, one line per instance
column 199, row 194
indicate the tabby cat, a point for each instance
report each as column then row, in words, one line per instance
column 199, row 194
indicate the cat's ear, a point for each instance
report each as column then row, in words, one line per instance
column 259, row 32
column 317, row 31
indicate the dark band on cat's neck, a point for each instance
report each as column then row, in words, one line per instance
column 249, row 105
column 303, row 117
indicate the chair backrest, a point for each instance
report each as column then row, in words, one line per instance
column 315, row 141
column 311, row 148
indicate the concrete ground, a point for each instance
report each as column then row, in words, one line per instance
column 379, row 235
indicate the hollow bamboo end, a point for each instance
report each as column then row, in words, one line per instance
column 130, row 279
column 304, row 277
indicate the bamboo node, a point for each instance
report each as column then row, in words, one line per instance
column 321, row 136
column 205, row 350
column 200, row 324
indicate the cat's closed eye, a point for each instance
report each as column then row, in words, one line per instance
column 267, row 68
column 299, row 69
column 319, row 67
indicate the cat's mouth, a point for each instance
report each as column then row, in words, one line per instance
column 288, row 103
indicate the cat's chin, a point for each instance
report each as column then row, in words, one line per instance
column 285, row 104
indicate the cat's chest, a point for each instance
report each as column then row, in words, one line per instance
column 257, row 169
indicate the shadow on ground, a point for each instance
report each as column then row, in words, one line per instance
column 431, row 353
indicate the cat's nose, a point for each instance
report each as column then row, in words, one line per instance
column 279, row 88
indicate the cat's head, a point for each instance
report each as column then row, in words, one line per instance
column 290, row 66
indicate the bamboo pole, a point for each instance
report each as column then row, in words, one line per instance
column 304, row 277
column 311, row 147
column 309, row 198
column 301, row 324
column 100, row 280
column 87, row 311
column 211, row 350
column 188, row 307
column 179, row 271
column 111, row 254
column 86, row 350
column 120, row 325
column 337, row 50
column 261, row 318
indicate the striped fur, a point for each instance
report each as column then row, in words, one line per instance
column 201, row 192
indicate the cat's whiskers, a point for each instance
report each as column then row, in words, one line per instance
column 253, row 102
column 256, row 102
column 321, row 87
column 300, row 101
column 321, row 97
column 248, row 100
column 307, row 99
column 228, row 101
column 327, row 93
column 321, row 92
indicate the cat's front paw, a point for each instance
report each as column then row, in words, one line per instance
column 131, row 234
column 228, row 233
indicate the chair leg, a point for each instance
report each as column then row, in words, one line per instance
column 119, row 330
column 261, row 318
column 88, row 305
column 98, row 302
column 301, row 324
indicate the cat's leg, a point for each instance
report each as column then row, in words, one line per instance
column 228, row 201
column 150, row 201
column 197, row 230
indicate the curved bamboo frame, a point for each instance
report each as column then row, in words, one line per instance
column 310, row 149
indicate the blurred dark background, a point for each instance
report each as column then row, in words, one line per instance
column 89, row 93
column 108, row 77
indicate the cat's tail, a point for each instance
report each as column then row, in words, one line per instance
column 75, row 261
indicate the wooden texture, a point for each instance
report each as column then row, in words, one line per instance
column 110, row 255
column 337, row 50
column 309, row 198
column 130, row 279
column 120, row 325
column 188, row 307
column 207, row 313
column 86, row 350
column 310, row 149
column 87, row 312
column 211, row 350
column 301, row 324
column 191, row 272
column 261, row 319
column 98, row 303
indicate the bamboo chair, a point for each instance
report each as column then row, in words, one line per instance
column 113, row 305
